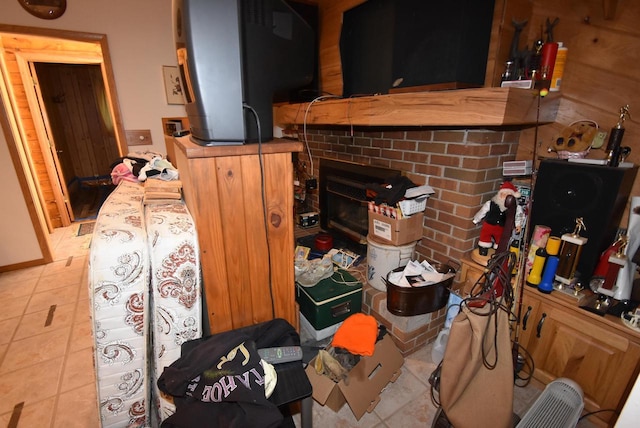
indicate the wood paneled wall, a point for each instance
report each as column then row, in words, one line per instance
column 602, row 71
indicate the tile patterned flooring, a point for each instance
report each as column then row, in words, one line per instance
column 46, row 355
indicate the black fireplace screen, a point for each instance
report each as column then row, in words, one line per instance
column 343, row 199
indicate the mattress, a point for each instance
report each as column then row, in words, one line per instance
column 118, row 281
column 145, row 288
column 175, row 294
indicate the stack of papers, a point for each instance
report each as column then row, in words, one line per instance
column 418, row 275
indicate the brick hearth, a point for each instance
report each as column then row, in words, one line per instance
column 464, row 166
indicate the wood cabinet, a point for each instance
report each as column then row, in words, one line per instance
column 599, row 353
column 246, row 247
column 566, row 341
column 470, row 273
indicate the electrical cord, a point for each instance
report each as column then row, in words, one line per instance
column 264, row 204
column 304, row 124
column 484, row 291
column 527, row 362
column 343, row 280
column 496, row 272
column 586, row 415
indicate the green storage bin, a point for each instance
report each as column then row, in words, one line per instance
column 331, row 300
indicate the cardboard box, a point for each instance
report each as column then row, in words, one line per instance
column 364, row 382
column 331, row 300
column 393, row 231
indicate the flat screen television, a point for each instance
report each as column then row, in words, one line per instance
column 234, row 56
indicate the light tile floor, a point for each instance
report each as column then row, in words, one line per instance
column 46, row 355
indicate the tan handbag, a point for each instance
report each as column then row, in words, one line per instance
column 476, row 378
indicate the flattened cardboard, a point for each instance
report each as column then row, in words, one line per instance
column 395, row 231
column 365, row 381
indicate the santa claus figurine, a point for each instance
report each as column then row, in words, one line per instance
column 493, row 215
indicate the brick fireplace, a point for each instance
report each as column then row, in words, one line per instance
column 463, row 165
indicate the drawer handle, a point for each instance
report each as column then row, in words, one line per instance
column 539, row 329
column 341, row 309
column 526, row 318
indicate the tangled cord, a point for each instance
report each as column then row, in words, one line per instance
column 493, row 290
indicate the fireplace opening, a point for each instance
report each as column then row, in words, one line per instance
column 343, row 199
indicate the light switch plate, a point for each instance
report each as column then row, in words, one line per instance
column 139, row 137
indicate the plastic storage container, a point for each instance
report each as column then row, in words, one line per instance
column 382, row 258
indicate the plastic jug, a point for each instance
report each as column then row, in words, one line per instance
column 440, row 344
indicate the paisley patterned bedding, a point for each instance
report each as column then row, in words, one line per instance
column 144, row 283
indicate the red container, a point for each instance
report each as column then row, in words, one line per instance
column 324, row 242
column 548, row 60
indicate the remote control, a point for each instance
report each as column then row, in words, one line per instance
column 281, row 354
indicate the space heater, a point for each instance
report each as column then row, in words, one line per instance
column 559, row 406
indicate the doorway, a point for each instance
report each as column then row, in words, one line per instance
column 74, row 99
column 49, row 169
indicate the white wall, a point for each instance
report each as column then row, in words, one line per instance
column 18, row 240
column 630, row 414
column 140, row 38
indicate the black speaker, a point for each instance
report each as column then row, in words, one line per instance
column 567, row 190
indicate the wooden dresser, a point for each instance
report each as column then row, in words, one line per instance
column 600, row 353
column 247, row 263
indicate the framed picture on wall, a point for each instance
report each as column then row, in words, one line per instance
column 172, row 86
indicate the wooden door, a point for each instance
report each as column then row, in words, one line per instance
column 41, row 118
column 74, row 98
column 21, row 46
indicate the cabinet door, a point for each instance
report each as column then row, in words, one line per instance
column 602, row 362
column 529, row 323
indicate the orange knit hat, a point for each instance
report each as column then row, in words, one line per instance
column 357, row 334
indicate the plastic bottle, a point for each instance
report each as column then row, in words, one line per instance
column 547, row 65
column 535, row 275
column 550, row 267
column 558, row 68
column 440, row 344
column 553, row 246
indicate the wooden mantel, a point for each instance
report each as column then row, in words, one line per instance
column 460, row 107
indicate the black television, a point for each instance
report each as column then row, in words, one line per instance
column 234, row 56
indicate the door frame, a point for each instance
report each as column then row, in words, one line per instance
column 11, row 115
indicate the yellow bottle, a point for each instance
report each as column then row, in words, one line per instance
column 535, row 275
column 558, row 68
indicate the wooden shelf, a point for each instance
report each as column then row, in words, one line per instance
column 193, row 151
column 460, row 107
